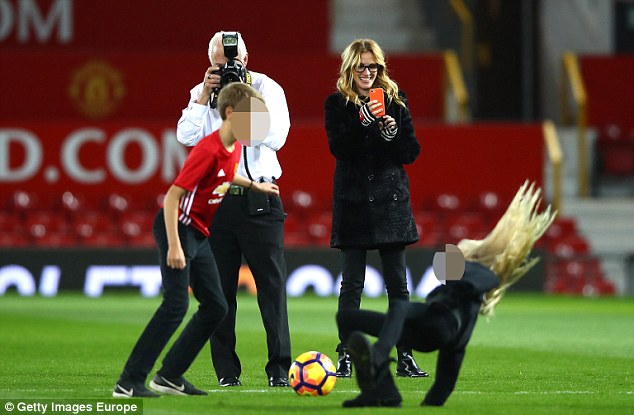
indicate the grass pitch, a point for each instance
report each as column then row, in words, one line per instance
column 538, row 355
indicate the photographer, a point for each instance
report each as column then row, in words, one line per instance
column 234, row 231
column 371, row 207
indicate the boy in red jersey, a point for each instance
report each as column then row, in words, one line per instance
column 181, row 231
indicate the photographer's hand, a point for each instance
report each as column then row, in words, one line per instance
column 210, row 82
column 268, row 188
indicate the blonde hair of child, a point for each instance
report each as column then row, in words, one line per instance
column 506, row 250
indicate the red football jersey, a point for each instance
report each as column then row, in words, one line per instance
column 206, row 175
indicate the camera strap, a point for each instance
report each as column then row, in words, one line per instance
column 246, row 164
column 257, row 203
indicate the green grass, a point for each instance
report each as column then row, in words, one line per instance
column 538, row 355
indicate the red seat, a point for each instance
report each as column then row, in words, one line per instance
column 86, row 223
column 293, row 224
column 615, row 150
column 156, row 202
column 142, row 240
column 429, row 228
column 303, row 203
column 23, row 202
column 576, row 266
column 10, row 222
column 577, row 275
column 589, row 267
column 56, row 239
column 466, row 226
column 571, row 246
column 135, row 223
column 491, row 205
column 616, row 157
column 319, row 226
column 295, row 231
column 117, row 204
column 14, row 240
column 561, row 228
column 104, row 240
column 448, row 206
column 447, row 202
column 297, row 239
column 39, row 223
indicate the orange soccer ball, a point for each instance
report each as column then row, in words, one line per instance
column 313, row 374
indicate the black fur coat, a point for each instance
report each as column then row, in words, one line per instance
column 371, row 200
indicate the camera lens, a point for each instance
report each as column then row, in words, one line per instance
column 229, row 77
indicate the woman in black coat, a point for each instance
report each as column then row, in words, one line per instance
column 371, row 201
column 445, row 322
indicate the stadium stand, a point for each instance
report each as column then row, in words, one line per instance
column 453, row 196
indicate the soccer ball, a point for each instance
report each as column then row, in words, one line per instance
column 313, row 374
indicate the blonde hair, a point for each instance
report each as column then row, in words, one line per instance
column 506, row 249
column 351, row 58
column 233, row 93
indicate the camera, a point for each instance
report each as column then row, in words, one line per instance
column 233, row 70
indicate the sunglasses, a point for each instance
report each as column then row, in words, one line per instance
column 373, row 68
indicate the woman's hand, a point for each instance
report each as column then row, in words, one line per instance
column 369, row 112
column 388, row 127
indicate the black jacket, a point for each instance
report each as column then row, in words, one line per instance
column 371, row 200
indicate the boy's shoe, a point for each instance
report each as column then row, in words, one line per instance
column 278, row 381
column 125, row 389
column 229, row 381
column 344, row 364
column 179, row 387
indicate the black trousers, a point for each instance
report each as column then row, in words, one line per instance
column 354, row 263
column 202, row 275
column 260, row 239
column 417, row 326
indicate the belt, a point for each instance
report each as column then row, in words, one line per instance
column 237, row 190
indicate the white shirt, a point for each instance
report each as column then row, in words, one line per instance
column 199, row 121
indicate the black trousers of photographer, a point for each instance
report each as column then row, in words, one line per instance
column 260, row 239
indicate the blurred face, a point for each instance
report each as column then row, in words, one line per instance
column 365, row 73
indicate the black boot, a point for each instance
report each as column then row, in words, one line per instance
column 344, row 364
column 375, row 382
column 407, row 366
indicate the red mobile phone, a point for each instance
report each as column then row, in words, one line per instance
column 377, row 94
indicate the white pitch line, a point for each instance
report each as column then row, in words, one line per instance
column 287, row 390
column 564, row 392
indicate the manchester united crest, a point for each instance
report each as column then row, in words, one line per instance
column 97, row 89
